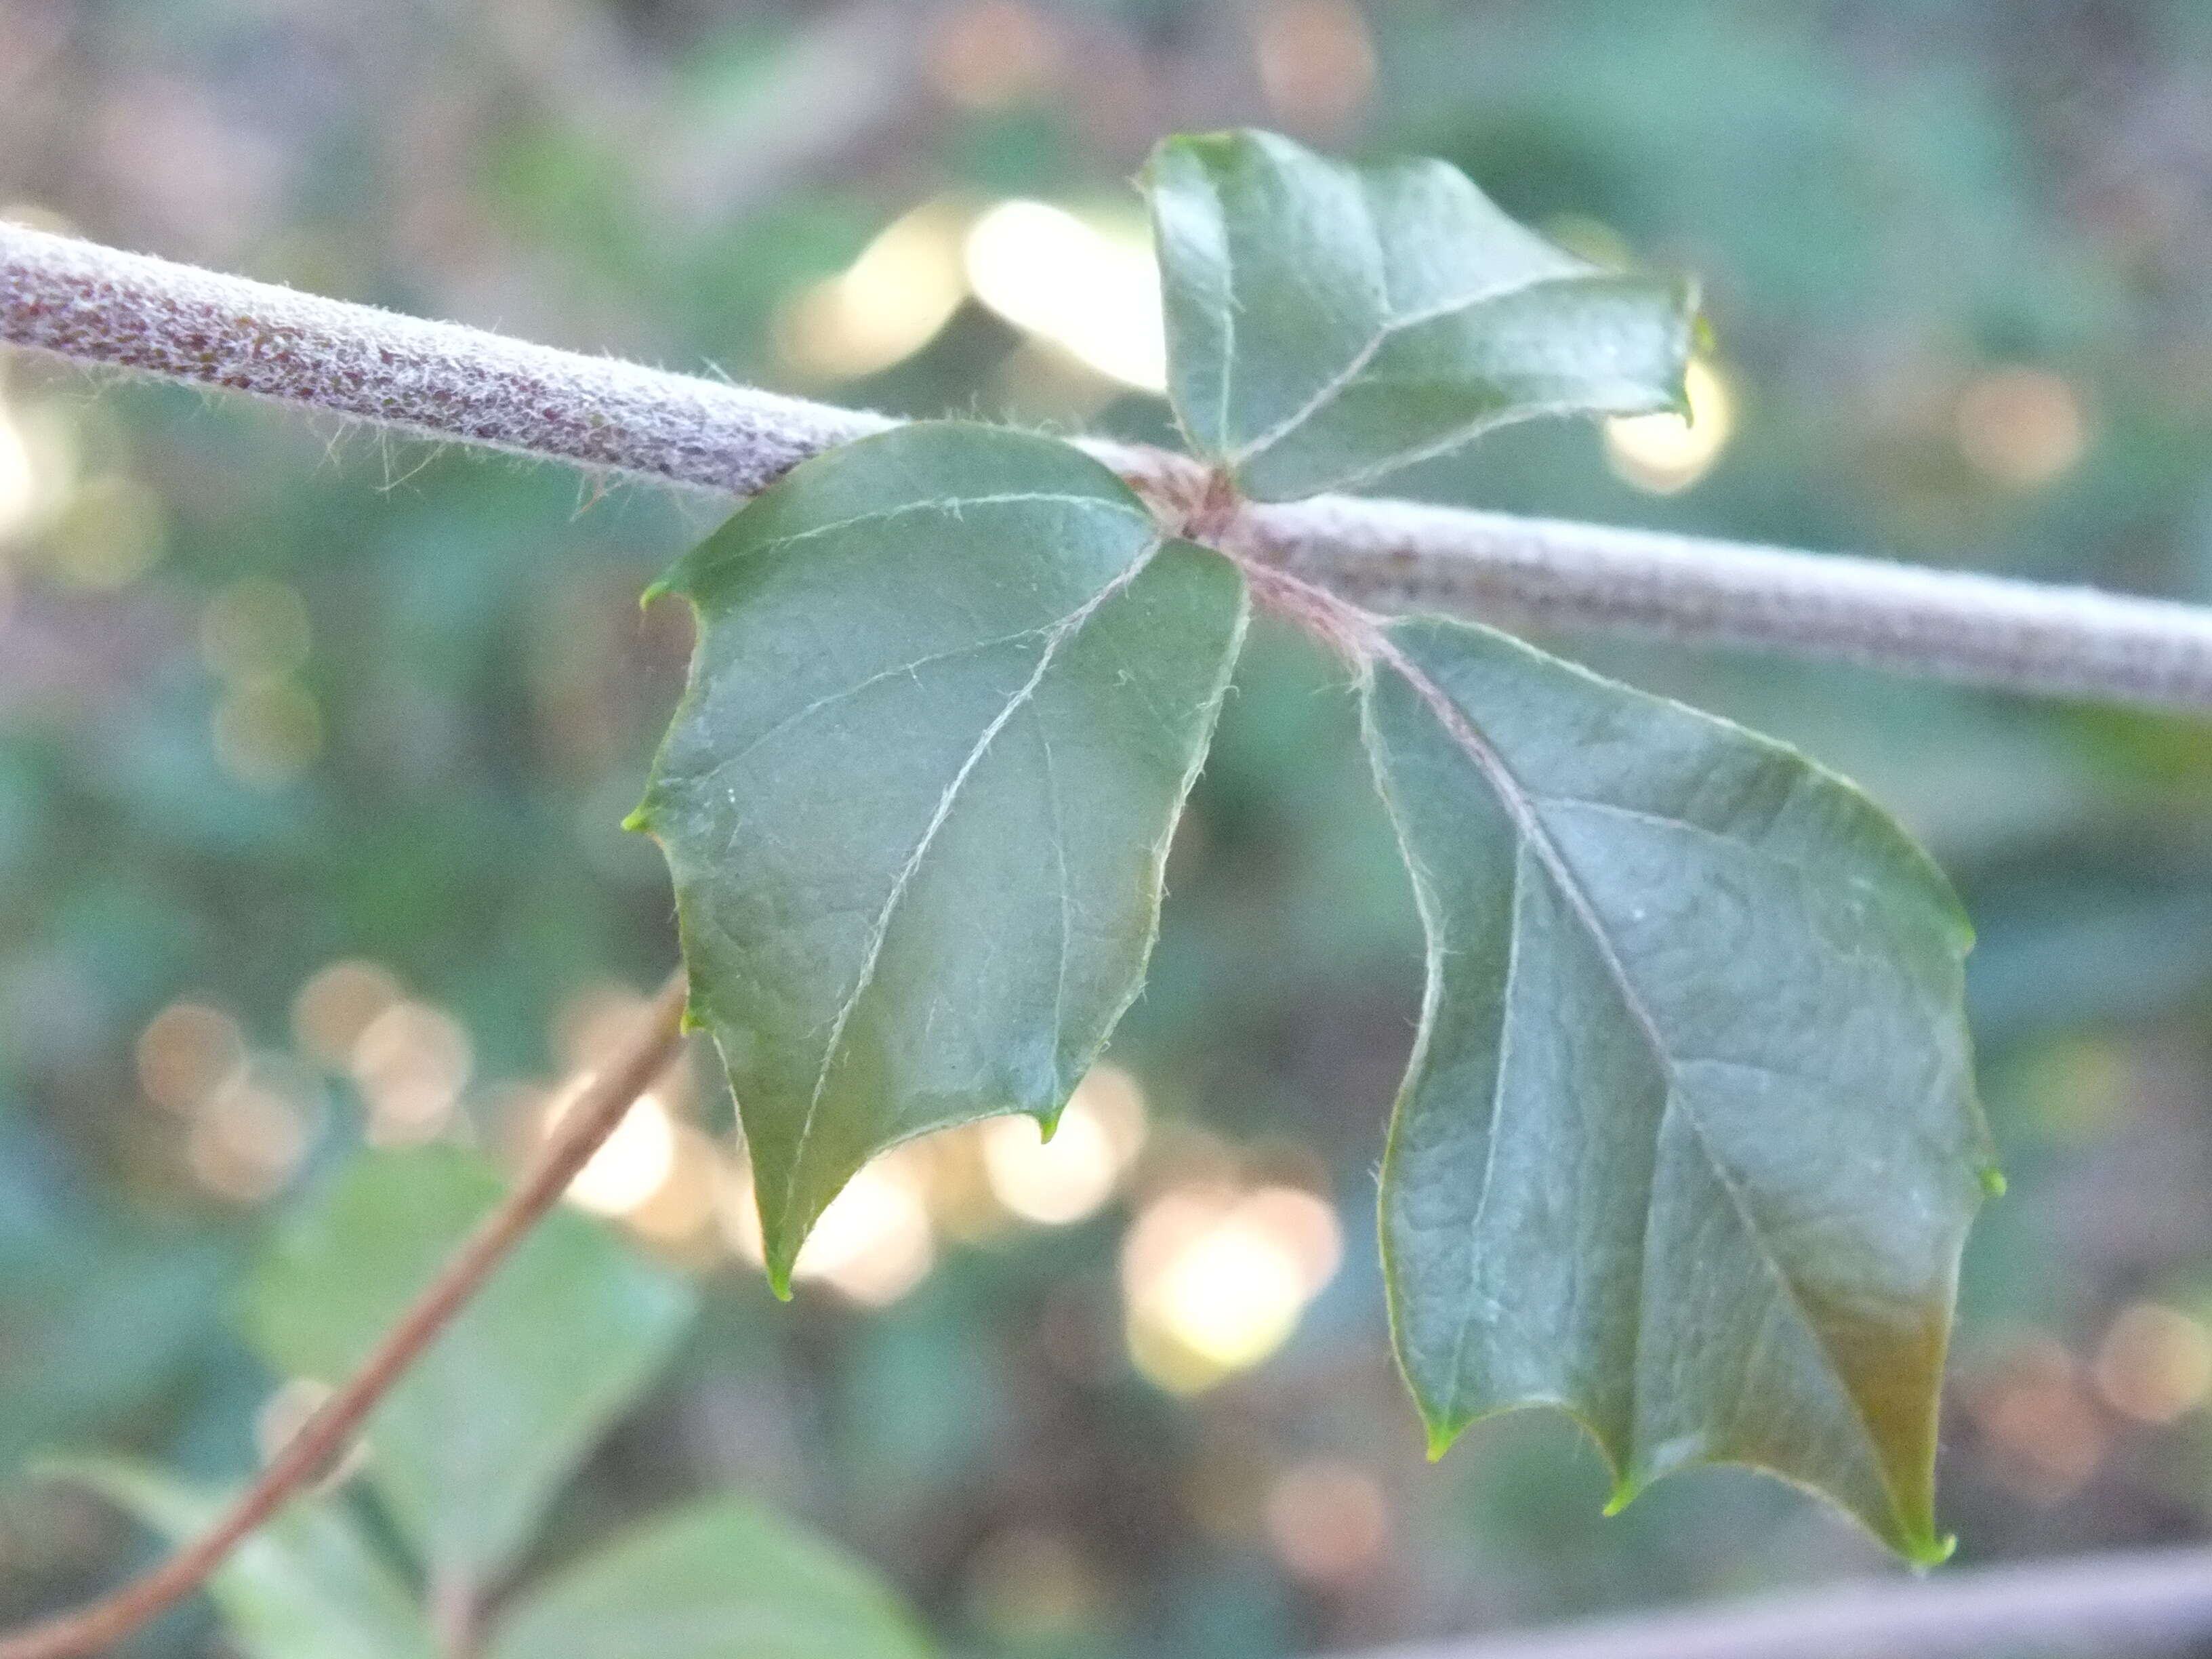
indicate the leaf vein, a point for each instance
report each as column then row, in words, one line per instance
column 1520, row 805
column 872, row 952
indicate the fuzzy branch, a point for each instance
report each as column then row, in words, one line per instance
column 96, row 306
column 2139, row 1602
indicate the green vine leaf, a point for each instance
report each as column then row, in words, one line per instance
column 1328, row 324
column 952, row 687
column 1689, row 1145
column 721, row 1579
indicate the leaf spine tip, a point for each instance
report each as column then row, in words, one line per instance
column 1931, row 1551
column 1993, row 1182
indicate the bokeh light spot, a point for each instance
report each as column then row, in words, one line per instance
column 2155, row 1363
column 1069, row 1176
column 1213, row 1279
column 1094, row 294
column 1666, row 453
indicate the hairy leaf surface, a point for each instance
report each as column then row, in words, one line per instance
column 1328, row 324
column 1689, row 1143
column 723, row 1579
column 950, row 689
column 474, row 1442
column 305, row 1584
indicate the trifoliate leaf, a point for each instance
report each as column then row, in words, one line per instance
column 722, row 1579
column 1689, row 1145
column 950, row 689
column 1328, row 324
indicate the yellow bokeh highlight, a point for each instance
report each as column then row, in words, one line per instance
column 1214, row 1280
column 185, row 1052
column 1089, row 290
column 250, row 1134
column 889, row 304
column 1068, row 1177
column 411, row 1062
column 1667, row 454
column 19, row 484
column 2155, row 1363
column 873, row 1244
column 631, row 1165
column 335, row 1006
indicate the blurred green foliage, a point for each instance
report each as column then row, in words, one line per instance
column 1956, row 255
column 463, row 1456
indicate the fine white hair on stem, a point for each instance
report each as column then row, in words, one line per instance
column 96, row 306
column 2124, row 1601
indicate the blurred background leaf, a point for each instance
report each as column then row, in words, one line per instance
column 723, row 1579
column 308, row 1585
column 471, row 1445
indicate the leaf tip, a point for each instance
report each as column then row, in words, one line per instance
column 1625, row 1492
column 1929, row 1551
column 1993, row 1182
column 1441, row 1436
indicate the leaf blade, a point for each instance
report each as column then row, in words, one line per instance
column 870, row 726
column 1328, row 324
column 720, row 1579
column 1693, row 1154
column 473, row 1443
column 306, row 1584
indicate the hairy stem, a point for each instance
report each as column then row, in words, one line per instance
column 2127, row 1601
column 598, row 1107
column 93, row 304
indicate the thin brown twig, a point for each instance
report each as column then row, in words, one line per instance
column 599, row 1106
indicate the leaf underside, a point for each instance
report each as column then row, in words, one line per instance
column 1328, row 324
column 1688, row 1145
column 951, row 690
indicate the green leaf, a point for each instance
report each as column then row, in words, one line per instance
column 1688, row 1145
column 304, row 1585
column 951, row 690
column 1328, row 324
column 723, row 1579
column 473, row 1443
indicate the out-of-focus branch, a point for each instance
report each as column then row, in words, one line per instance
column 601, row 1104
column 97, row 306
column 2099, row 1605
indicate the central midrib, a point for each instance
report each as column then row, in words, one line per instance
column 1061, row 632
column 1520, row 807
